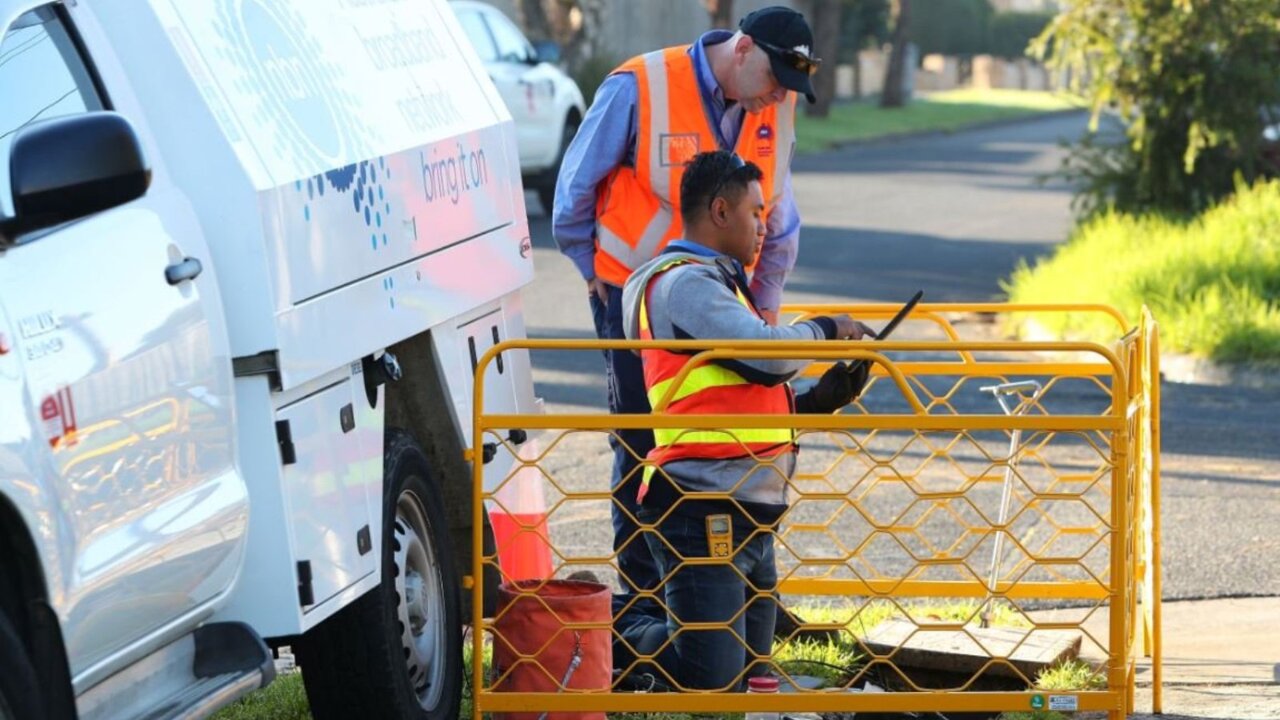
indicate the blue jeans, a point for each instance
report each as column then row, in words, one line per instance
column 718, row 592
column 634, row 619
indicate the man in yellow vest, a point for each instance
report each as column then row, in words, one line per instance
column 719, row 493
column 617, row 201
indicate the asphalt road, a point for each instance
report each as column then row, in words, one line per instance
column 952, row 214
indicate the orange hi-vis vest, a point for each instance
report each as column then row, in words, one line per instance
column 638, row 208
column 708, row 389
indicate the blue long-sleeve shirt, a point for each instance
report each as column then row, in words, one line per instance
column 607, row 139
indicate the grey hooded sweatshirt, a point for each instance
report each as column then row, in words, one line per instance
column 697, row 301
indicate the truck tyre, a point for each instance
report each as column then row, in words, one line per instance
column 20, row 695
column 547, row 187
column 395, row 653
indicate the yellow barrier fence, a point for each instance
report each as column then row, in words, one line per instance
column 991, row 497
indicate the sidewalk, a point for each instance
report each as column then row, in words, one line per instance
column 1221, row 660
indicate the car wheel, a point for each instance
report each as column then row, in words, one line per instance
column 20, row 696
column 396, row 653
column 547, row 187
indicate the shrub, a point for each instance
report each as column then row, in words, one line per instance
column 1188, row 78
column 1212, row 282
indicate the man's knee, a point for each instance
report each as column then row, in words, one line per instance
column 711, row 660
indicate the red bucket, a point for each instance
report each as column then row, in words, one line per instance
column 534, row 651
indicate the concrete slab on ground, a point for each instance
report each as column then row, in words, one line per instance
column 1206, row 642
column 1211, row 702
column 968, row 651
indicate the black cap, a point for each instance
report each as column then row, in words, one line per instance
column 787, row 40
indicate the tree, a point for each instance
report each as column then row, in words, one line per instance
column 1189, row 80
column 894, row 94
column 863, row 23
column 825, row 18
column 721, row 12
column 1012, row 32
column 951, row 27
column 574, row 25
column 588, row 59
column 534, row 18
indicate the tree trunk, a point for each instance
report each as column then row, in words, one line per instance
column 826, row 18
column 893, row 95
column 857, row 76
column 536, row 23
column 721, row 12
column 590, row 35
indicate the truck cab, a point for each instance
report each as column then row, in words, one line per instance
column 249, row 252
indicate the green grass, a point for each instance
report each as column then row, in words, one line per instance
column 874, row 613
column 835, row 663
column 468, row 652
column 939, row 111
column 283, row 699
column 1212, row 282
column 1070, row 675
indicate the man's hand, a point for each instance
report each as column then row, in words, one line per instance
column 770, row 317
column 598, row 287
column 849, row 329
column 840, row 385
column 859, row 374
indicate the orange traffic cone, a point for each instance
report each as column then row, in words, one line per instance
column 518, row 514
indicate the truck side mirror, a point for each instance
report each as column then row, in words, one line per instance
column 69, row 167
column 546, row 52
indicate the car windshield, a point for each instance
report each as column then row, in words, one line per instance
column 512, row 46
column 478, row 34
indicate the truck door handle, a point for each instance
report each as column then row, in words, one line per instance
column 188, row 269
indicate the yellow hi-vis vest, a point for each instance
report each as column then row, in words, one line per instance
column 708, row 389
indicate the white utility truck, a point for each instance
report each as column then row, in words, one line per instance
column 250, row 251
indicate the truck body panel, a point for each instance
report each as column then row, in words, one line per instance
column 210, row 449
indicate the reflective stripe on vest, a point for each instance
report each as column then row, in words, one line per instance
column 707, row 389
column 638, row 209
column 699, row 379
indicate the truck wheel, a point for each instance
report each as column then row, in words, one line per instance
column 396, row 653
column 20, row 696
column 547, row 187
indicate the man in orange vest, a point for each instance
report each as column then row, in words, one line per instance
column 617, row 201
column 710, row 493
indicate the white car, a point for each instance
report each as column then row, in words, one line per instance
column 545, row 103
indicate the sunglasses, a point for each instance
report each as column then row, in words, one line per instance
column 736, row 163
column 793, row 59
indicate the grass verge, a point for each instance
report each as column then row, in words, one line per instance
column 1213, row 282
column 941, row 111
column 284, row 699
column 834, row 662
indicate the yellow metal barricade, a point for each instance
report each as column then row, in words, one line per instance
column 922, row 506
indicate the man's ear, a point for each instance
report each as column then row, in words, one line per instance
column 719, row 211
column 744, row 46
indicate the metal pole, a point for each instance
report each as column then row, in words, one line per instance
column 1001, row 393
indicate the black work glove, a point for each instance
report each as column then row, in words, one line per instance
column 840, row 385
